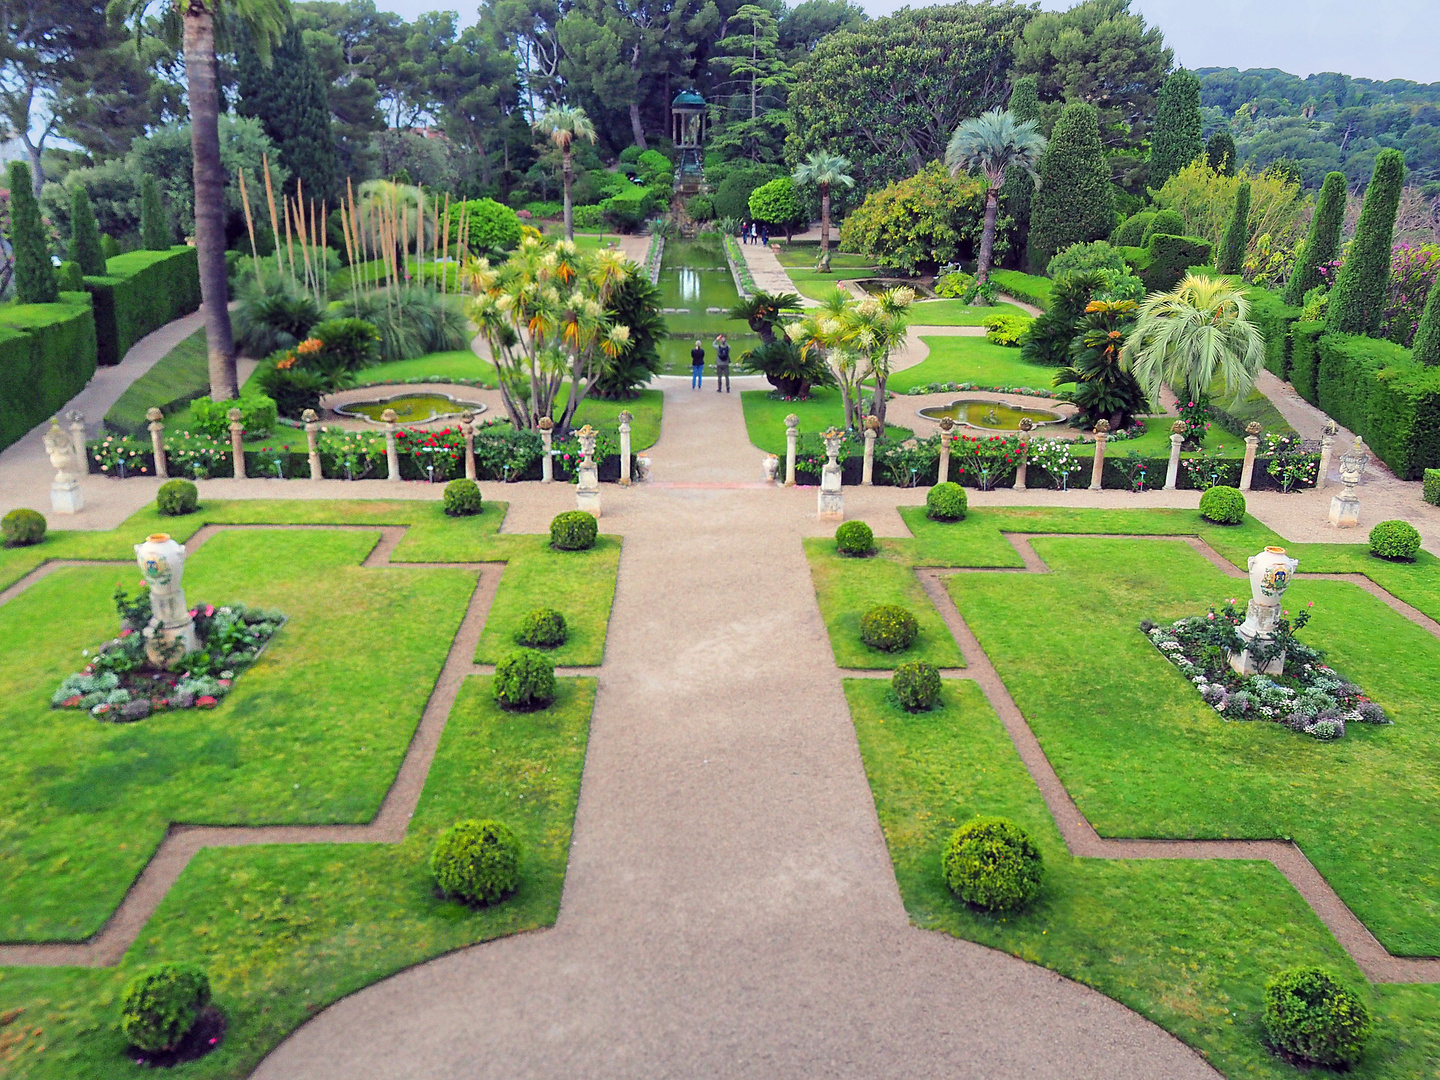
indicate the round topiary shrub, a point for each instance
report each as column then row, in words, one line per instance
column 543, row 628
column 1311, row 1016
column 476, row 861
column 574, row 530
column 161, row 1004
column 1223, row 505
column 946, row 502
column 1395, row 540
column 916, row 685
column 888, row 627
column 854, row 538
column 524, row 680
column 22, row 527
column 462, row 498
column 993, row 864
column 177, row 497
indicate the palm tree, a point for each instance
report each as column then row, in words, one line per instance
column 824, row 171
column 191, row 25
column 1191, row 336
column 993, row 142
column 564, row 124
column 878, row 326
column 1103, row 388
column 763, row 311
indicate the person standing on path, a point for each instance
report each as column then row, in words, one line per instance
column 722, row 363
column 697, row 364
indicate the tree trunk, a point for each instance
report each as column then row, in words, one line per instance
column 879, row 409
column 569, row 210
column 637, row 129
column 824, row 228
column 987, row 237
column 209, row 198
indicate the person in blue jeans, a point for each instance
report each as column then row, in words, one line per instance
column 697, row 365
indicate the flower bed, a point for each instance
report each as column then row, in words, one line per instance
column 1308, row 696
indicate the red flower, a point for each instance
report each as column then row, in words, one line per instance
column 205, row 701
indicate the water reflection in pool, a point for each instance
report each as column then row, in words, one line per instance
column 991, row 415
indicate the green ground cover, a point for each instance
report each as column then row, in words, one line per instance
column 646, row 410
column 180, row 375
column 459, row 364
column 957, row 313
column 765, row 417
column 971, row 359
column 1030, row 288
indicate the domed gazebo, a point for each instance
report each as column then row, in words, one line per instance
column 687, row 129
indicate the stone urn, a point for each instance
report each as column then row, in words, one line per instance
column 1270, row 574
column 171, row 633
column 771, row 465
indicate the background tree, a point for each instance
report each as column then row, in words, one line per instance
column 994, row 143
column 1220, row 153
column 564, row 124
column 1357, row 302
column 777, row 204
column 1322, row 245
column 1237, row 234
column 1193, row 336
column 1176, row 142
column 85, row 234
column 287, row 95
column 803, row 26
column 922, row 221
column 1072, row 201
column 750, row 55
column 1206, row 202
column 34, row 273
column 1019, row 191
column 825, row 171
column 155, row 232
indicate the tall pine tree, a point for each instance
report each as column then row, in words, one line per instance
column 155, row 234
column 85, row 234
column 1176, row 141
column 1231, row 259
column 1072, row 202
column 1322, row 245
column 34, row 273
column 1018, row 193
column 288, row 97
column 1220, row 153
column 1358, row 299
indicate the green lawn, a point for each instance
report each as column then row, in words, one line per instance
column 956, row 313
column 765, row 417
column 1030, row 288
column 179, row 376
column 975, row 360
column 578, row 584
column 459, row 364
column 646, row 409
column 799, row 262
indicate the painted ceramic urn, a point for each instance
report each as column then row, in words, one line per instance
column 1270, row 574
column 162, row 565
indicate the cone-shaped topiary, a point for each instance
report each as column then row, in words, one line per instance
column 1220, row 153
column 462, row 497
column 155, row 232
column 1175, row 141
column 1072, row 202
column 22, row 527
column 1358, row 300
column 476, row 861
column 946, row 502
column 916, row 685
column 1223, row 505
column 1322, row 243
column 34, row 273
column 85, row 234
column 889, row 628
column 524, row 680
column 1017, row 195
column 854, row 538
column 1398, row 540
column 177, row 497
column 574, row 530
column 543, row 628
column 161, row 1005
column 1237, row 234
column 1311, row 1015
column 992, row 863
column 1426, row 345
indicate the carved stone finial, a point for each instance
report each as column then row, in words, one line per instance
column 310, row 416
column 545, row 423
column 1331, row 428
column 154, row 415
column 235, row 415
column 872, row 423
column 1177, row 428
column 792, row 421
column 389, row 416
column 1253, row 428
column 1026, row 424
column 1102, row 427
column 625, row 417
column 946, row 423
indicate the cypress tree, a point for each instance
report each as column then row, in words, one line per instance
column 85, row 235
column 289, row 99
column 1176, row 142
column 1358, row 300
column 1427, row 334
column 155, row 232
column 1220, row 153
column 34, row 272
column 109, row 246
column 1322, row 244
column 1237, row 234
column 1018, row 193
column 1072, row 202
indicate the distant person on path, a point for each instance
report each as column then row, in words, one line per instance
column 722, row 363
column 697, row 365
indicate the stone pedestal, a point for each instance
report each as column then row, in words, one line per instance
column 942, row 472
column 237, row 443
column 1026, row 425
column 792, row 437
column 1327, row 447
column 867, row 469
column 1252, row 442
column 830, row 502
column 467, row 425
column 65, row 495
column 625, row 418
column 171, row 632
column 312, row 442
column 1270, row 574
column 1254, row 631
column 587, row 491
column 392, row 453
column 1172, row 471
column 157, row 441
column 547, row 460
column 1097, row 469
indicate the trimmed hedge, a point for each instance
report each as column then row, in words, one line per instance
column 141, row 292
column 1274, row 319
column 573, row 530
column 1170, row 257
column 476, row 861
column 543, row 628
column 946, row 502
column 1223, row 505
column 992, row 863
column 1432, row 487
column 1376, row 389
column 1305, row 358
column 1395, row 540
column 889, row 628
column 462, row 497
column 22, row 527
column 916, row 685
column 161, row 1005
column 47, row 355
column 1311, row 1015
column 524, row 680
column 177, row 497
column 854, row 538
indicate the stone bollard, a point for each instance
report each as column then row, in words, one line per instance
column 312, row 442
column 625, row 419
column 65, row 495
column 547, row 460
column 1327, row 444
column 467, row 427
column 392, row 455
column 872, row 430
column 792, row 439
column 1252, row 442
column 1026, row 426
column 587, row 491
column 942, row 475
column 1097, row 471
column 830, row 502
column 77, row 436
column 157, row 441
column 237, row 443
column 1172, row 472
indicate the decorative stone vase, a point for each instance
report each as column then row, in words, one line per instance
column 771, row 465
column 171, row 633
column 1270, row 574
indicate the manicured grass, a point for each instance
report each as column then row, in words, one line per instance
column 605, row 415
column 1030, row 288
column 804, row 256
column 578, row 584
column 285, row 931
column 953, row 312
column 179, row 376
column 1188, row 944
column 765, row 417
column 459, row 364
column 971, row 359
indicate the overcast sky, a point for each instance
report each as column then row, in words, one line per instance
column 1374, row 39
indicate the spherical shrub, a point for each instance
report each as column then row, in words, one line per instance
column 476, row 861
column 888, row 627
column 917, row 685
column 574, row 530
column 543, row 628
column 1311, row 1015
column 854, row 538
column 946, row 502
column 1395, row 540
column 161, row 1005
column 1223, row 505
column 993, row 864
column 177, row 497
column 524, row 680
column 22, row 527
column 462, row 498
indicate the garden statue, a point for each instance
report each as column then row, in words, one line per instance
column 1270, row 574
column 1345, row 507
column 65, row 497
column 171, row 633
column 831, row 499
column 771, row 464
column 587, row 491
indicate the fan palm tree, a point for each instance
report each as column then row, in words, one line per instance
column 994, row 142
column 1198, row 332
column 564, row 124
column 824, row 171
column 192, row 25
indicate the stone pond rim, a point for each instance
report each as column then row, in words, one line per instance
column 977, row 412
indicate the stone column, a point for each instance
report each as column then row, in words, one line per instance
column 237, row 443
column 587, row 491
column 312, row 442
column 830, row 502
column 467, row 427
column 867, row 475
column 792, row 439
column 65, row 497
column 625, row 419
column 943, row 474
column 392, row 455
column 1252, row 442
column 1172, row 473
column 1097, row 471
column 1327, row 444
column 547, row 438
column 1026, row 425
column 77, row 436
column 157, row 441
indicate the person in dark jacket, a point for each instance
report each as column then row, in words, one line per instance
column 697, row 365
column 722, row 363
